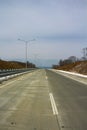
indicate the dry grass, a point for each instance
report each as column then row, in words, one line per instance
column 79, row 67
column 13, row 65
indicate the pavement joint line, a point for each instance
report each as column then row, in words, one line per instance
column 53, row 104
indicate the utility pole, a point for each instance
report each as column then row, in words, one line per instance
column 85, row 53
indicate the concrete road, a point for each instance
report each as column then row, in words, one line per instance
column 43, row 100
column 71, row 101
column 25, row 103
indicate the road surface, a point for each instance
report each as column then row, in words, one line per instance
column 43, row 100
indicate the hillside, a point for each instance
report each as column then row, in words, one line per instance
column 79, row 67
column 14, row 65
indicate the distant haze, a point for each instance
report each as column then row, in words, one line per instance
column 59, row 27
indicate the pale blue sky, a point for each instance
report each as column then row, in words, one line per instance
column 60, row 27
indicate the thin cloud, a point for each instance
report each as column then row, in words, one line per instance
column 54, row 21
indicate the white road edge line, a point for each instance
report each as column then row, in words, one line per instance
column 10, row 83
column 53, row 104
column 18, row 78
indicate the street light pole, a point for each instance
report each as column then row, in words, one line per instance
column 26, row 53
column 26, row 46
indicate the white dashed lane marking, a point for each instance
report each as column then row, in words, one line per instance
column 53, row 104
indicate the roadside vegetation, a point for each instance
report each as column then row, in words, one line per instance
column 74, row 64
column 15, row 65
column 78, row 66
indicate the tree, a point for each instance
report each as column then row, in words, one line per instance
column 61, row 62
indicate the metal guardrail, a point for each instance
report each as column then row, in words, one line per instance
column 11, row 72
column 8, row 74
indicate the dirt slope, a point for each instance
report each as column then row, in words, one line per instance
column 79, row 67
column 14, row 65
